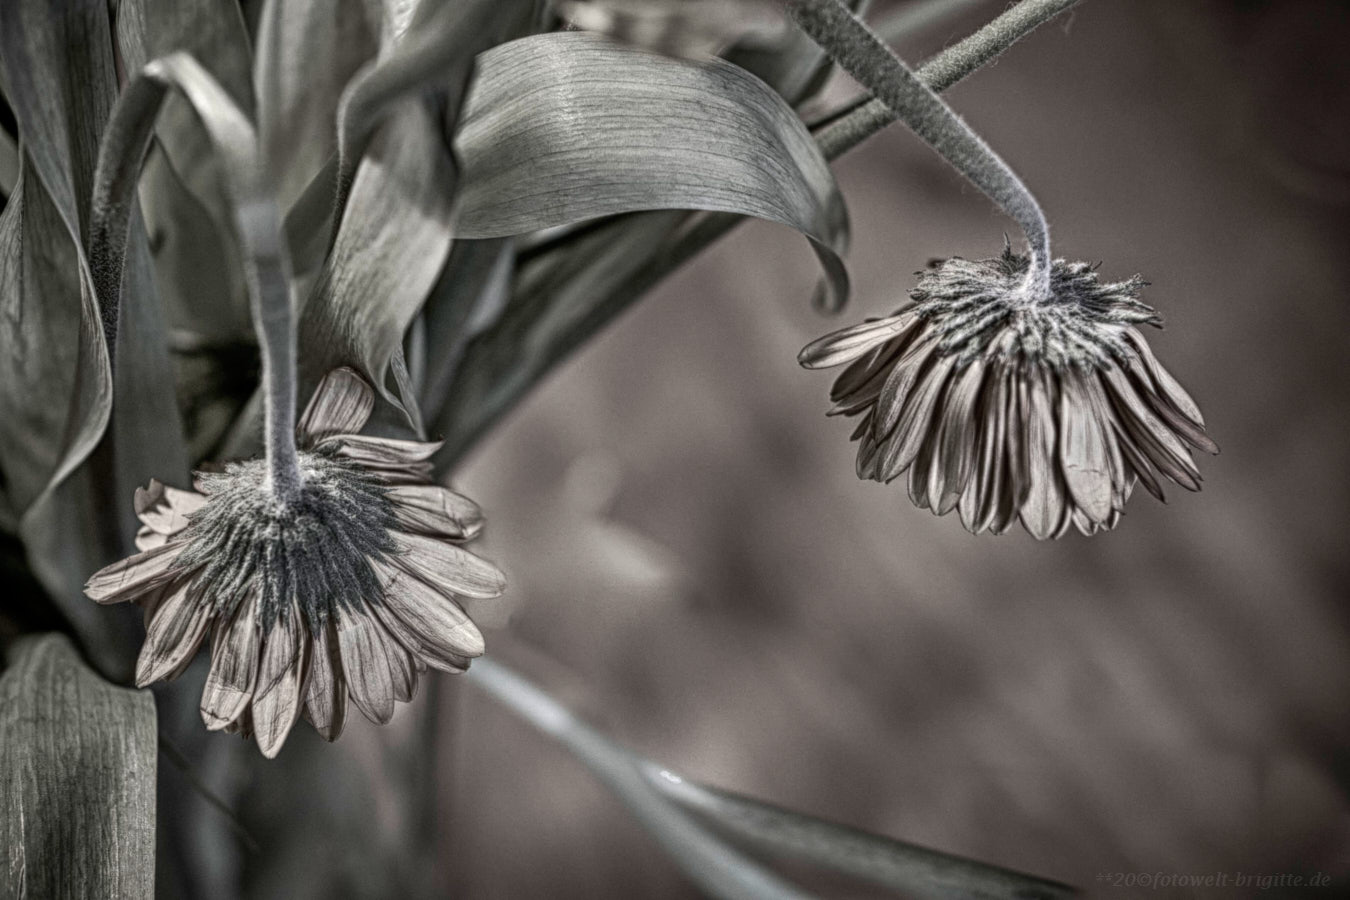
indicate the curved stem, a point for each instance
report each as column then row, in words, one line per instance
column 845, row 129
column 873, row 64
column 267, row 268
column 268, row 278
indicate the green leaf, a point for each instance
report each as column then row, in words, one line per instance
column 559, row 300
column 60, row 81
column 9, row 163
column 470, row 296
column 561, row 128
column 77, row 778
column 718, row 869
column 392, row 243
column 396, row 228
column 914, row 870
column 197, row 263
column 307, row 52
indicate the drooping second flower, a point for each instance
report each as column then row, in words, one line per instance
column 1009, row 404
column 350, row 588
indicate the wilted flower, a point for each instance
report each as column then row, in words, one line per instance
column 1009, row 405
column 349, row 589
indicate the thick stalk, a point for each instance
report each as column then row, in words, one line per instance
column 842, row 131
column 268, row 280
column 862, row 54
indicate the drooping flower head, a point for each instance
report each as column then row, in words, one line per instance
column 348, row 588
column 1010, row 403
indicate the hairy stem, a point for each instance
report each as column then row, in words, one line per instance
column 862, row 54
column 268, row 279
column 849, row 127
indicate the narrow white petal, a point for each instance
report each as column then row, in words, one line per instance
column 326, row 700
column 1082, row 452
column 850, row 343
column 276, row 709
column 443, row 629
column 134, row 575
column 341, row 405
column 435, row 510
column 366, row 666
column 234, row 667
column 450, row 569
column 165, row 509
column 176, row 629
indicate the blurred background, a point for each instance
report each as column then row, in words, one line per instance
column 695, row 569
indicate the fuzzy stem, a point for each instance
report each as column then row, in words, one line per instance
column 845, row 129
column 873, row 64
column 268, row 278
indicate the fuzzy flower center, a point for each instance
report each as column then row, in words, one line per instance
column 313, row 553
column 981, row 308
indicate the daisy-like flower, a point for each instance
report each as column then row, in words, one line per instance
column 349, row 588
column 1009, row 403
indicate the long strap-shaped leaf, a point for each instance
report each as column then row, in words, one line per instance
column 56, row 64
column 917, row 871
column 77, row 778
column 565, row 127
column 56, row 383
column 715, row 867
column 257, row 224
column 393, row 238
column 689, row 819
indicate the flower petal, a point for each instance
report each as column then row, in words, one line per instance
column 366, row 666
column 958, row 445
column 435, row 510
column 234, row 666
column 326, row 700
column 341, row 404
column 1163, row 448
column 1168, row 387
column 281, row 645
column 177, row 627
column 442, row 631
column 913, row 426
column 1044, row 507
column 849, row 344
column 902, row 379
column 1082, row 452
column 148, row 539
column 378, row 452
column 276, row 709
column 165, row 509
column 137, row 574
column 450, row 569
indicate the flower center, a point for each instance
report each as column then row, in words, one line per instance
column 313, row 553
column 982, row 308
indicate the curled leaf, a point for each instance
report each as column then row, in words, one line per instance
column 560, row 128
